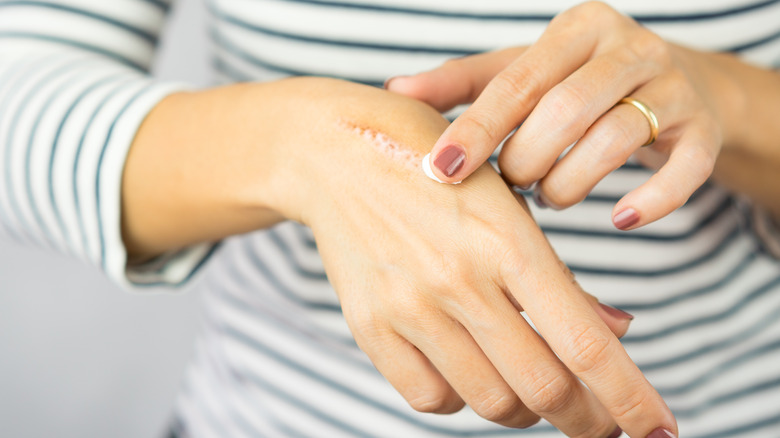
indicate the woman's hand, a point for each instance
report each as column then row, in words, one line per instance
column 565, row 89
column 430, row 277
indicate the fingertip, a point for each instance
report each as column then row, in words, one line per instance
column 616, row 319
column 616, row 433
column 396, row 84
column 617, row 313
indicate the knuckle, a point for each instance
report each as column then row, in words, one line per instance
column 567, row 104
column 521, row 84
column 647, row 45
column 497, row 406
column 680, row 82
column 440, row 400
column 445, row 270
column 517, row 170
column 597, row 8
column 585, row 14
column 621, row 137
column 410, row 310
column 450, row 288
column 633, row 406
column 527, row 421
column 365, row 326
column 512, row 263
column 702, row 161
column 706, row 166
column 592, row 9
column 599, row 12
column 590, row 347
column 552, row 394
column 611, row 145
column 673, row 194
column 452, row 63
column 562, row 192
column 482, row 123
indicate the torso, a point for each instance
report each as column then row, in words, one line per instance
column 276, row 357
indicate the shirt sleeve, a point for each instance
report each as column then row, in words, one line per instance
column 74, row 88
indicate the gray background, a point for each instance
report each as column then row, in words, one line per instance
column 79, row 357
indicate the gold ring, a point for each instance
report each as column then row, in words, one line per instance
column 649, row 115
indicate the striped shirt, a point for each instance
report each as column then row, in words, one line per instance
column 275, row 357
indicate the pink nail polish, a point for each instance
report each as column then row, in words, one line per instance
column 661, row 433
column 450, row 160
column 626, row 218
column 616, row 313
column 616, row 433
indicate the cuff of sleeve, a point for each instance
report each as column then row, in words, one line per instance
column 167, row 273
column 172, row 269
column 767, row 230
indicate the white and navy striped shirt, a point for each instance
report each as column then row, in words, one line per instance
column 275, row 357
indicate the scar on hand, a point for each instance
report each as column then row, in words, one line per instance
column 385, row 145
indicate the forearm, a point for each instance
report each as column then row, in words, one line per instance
column 177, row 185
column 749, row 161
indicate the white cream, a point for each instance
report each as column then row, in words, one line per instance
column 392, row 149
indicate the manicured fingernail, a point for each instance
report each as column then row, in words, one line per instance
column 450, row 160
column 616, row 433
column 537, row 197
column 616, row 313
column 661, row 433
column 626, row 218
column 386, row 85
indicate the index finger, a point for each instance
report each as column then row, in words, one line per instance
column 586, row 346
column 508, row 99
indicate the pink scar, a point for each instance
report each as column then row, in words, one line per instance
column 385, row 145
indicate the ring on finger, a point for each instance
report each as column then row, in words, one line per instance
column 649, row 115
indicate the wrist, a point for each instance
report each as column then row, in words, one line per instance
column 187, row 172
column 344, row 138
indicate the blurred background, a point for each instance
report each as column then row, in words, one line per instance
column 79, row 357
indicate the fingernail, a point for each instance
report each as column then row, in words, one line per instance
column 386, row 85
column 661, row 433
column 537, row 197
column 616, row 313
column 626, row 218
column 616, row 433
column 450, row 160
column 525, row 187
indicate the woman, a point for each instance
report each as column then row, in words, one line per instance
column 102, row 162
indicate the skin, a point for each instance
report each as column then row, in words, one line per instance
column 716, row 114
column 430, row 277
